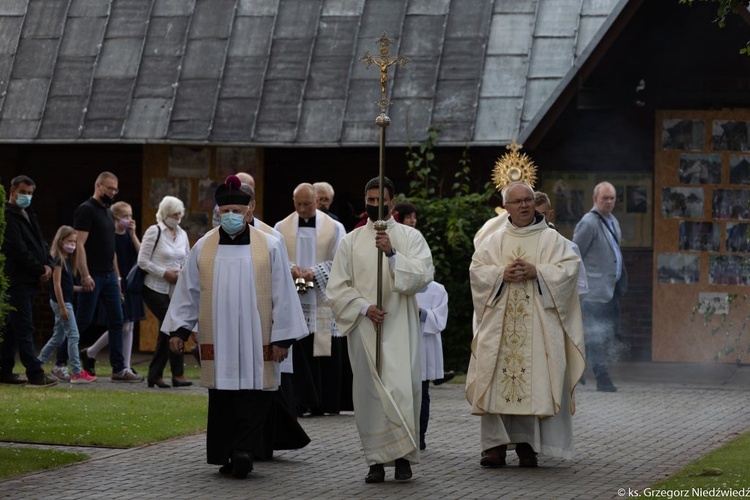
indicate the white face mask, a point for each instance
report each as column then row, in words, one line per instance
column 171, row 223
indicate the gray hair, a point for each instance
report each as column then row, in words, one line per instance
column 514, row 184
column 169, row 205
column 248, row 189
column 599, row 186
column 324, row 186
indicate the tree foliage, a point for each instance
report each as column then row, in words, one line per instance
column 450, row 211
column 726, row 8
column 4, row 306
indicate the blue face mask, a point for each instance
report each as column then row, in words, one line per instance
column 23, row 200
column 232, row 223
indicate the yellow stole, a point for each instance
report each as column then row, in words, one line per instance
column 324, row 245
column 324, row 240
column 262, row 275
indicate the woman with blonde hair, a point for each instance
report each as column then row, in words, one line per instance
column 163, row 254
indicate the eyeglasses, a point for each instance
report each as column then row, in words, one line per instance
column 111, row 189
column 524, row 201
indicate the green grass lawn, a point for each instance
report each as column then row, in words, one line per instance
column 725, row 468
column 115, row 418
column 17, row 461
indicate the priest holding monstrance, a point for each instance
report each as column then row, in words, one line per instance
column 527, row 351
column 236, row 290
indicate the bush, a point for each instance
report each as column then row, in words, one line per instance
column 4, row 306
column 448, row 219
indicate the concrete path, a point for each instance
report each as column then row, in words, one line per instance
column 663, row 417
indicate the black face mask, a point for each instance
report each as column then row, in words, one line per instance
column 372, row 212
column 107, row 200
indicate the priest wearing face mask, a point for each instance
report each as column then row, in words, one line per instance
column 163, row 253
column 236, row 291
column 386, row 405
column 97, row 265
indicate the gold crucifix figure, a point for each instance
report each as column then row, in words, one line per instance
column 383, row 61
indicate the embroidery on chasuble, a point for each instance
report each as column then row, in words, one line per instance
column 513, row 376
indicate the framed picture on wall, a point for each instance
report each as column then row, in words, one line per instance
column 730, row 135
column 689, row 135
column 681, row 202
column 700, row 169
column 572, row 195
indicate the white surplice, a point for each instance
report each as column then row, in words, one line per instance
column 238, row 346
column 433, row 300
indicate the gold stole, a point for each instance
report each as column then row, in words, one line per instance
column 262, row 275
column 324, row 245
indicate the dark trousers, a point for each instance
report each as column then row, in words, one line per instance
column 307, row 382
column 158, row 303
column 19, row 332
column 601, row 325
column 424, row 414
column 107, row 287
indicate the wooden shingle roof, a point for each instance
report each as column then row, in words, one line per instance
column 284, row 72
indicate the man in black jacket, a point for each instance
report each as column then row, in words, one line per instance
column 27, row 264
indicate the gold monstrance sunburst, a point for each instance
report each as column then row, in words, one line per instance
column 513, row 167
column 383, row 61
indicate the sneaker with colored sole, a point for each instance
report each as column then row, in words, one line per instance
column 88, row 363
column 82, row 378
column 126, row 376
column 61, row 373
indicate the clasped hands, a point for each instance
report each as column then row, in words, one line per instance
column 519, row 270
column 306, row 274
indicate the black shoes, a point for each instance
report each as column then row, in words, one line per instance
column 403, row 469
column 88, row 363
column 180, row 383
column 526, row 455
column 242, row 464
column 494, row 457
column 42, row 380
column 376, row 474
column 158, row 382
column 13, row 379
column 447, row 377
column 604, row 384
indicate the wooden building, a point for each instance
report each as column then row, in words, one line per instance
column 173, row 94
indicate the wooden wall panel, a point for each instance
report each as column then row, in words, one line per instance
column 675, row 336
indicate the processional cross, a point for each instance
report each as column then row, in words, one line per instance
column 383, row 62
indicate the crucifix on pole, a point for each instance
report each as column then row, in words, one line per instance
column 383, row 61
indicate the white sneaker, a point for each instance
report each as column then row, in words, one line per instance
column 61, row 373
column 126, row 376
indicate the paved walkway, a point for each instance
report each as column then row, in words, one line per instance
column 663, row 417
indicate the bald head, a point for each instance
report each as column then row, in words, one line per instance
column 246, row 178
column 305, row 200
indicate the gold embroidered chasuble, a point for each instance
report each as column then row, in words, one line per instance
column 529, row 336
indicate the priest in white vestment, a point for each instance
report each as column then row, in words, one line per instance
column 527, row 352
column 311, row 238
column 386, row 405
column 433, row 316
column 236, row 290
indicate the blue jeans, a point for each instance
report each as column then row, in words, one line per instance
column 63, row 328
column 19, row 332
column 106, row 286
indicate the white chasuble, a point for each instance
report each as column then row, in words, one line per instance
column 529, row 338
column 232, row 304
column 386, row 406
